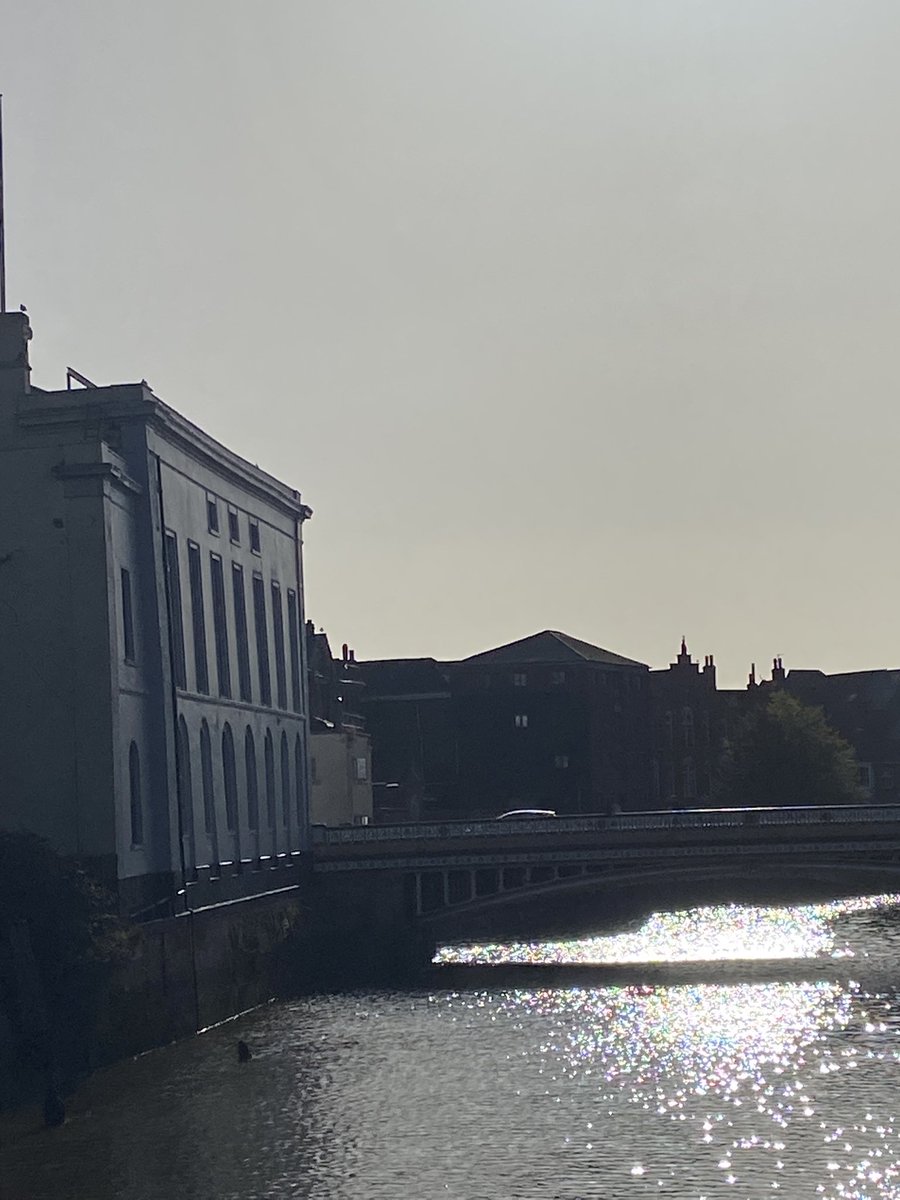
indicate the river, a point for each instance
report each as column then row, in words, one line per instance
column 716, row 1089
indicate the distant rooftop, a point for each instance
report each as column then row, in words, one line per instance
column 402, row 676
column 551, row 646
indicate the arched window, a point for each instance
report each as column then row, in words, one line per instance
column 286, row 788
column 206, row 773
column 687, row 727
column 185, row 792
column 300, row 783
column 270, row 782
column 230, row 774
column 690, row 780
column 137, row 804
column 252, row 780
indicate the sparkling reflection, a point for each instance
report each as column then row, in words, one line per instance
column 722, row 933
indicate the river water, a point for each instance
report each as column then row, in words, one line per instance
column 710, row 1090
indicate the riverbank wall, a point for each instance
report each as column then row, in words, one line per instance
column 186, row 972
column 196, row 969
column 178, row 975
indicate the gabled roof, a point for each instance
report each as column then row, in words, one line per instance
column 551, row 646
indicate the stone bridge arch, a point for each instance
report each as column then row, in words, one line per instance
column 568, row 898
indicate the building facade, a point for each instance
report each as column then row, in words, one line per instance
column 340, row 750
column 689, row 726
column 864, row 708
column 553, row 722
column 545, row 722
column 153, row 699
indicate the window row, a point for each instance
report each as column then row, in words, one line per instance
column 281, row 790
column 269, row 611
column 520, row 678
column 687, row 728
column 234, row 524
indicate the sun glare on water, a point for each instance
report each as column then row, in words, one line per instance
column 720, row 933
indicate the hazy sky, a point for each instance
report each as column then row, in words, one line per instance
column 561, row 314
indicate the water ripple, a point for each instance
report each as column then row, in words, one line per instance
column 740, row 1090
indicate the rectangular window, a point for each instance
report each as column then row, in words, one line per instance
column 521, row 720
column 176, row 619
column 362, row 769
column 294, row 647
column 220, row 625
column 520, row 679
column 262, row 640
column 212, row 514
column 313, row 770
column 234, row 528
column 278, row 625
column 254, row 536
column 561, row 762
column 240, row 628
column 198, row 618
column 559, row 678
column 127, row 617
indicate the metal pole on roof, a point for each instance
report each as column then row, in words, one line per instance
column 2, row 236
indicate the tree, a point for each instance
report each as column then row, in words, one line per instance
column 785, row 753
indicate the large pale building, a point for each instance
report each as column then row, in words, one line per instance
column 153, row 699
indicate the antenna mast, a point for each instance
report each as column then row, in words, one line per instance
column 2, row 237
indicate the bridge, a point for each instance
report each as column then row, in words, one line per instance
column 455, row 877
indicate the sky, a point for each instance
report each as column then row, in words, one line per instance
column 567, row 314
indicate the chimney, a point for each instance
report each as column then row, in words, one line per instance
column 15, row 369
column 709, row 672
column 778, row 672
column 751, row 682
column 352, row 657
column 344, row 653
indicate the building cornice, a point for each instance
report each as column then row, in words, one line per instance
column 97, row 470
column 55, row 411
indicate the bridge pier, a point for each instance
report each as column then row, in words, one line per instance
column 363, row 931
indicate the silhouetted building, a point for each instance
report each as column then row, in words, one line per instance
column 552, row 722
column 415, row 756
column 688, row 731
column 339, row 747
column 864, row 707
column 548, row 721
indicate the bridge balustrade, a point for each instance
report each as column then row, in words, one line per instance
column 625, row 822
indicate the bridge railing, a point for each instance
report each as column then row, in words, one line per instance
column 710, row 818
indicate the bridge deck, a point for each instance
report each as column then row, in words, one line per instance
column 689, row 832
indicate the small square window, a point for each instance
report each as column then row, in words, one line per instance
column 254, row 537
column 234, row 528
column 520, row 679
column 558, row 678
column 561, row 762
column 212, row 514
column 521, row 720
